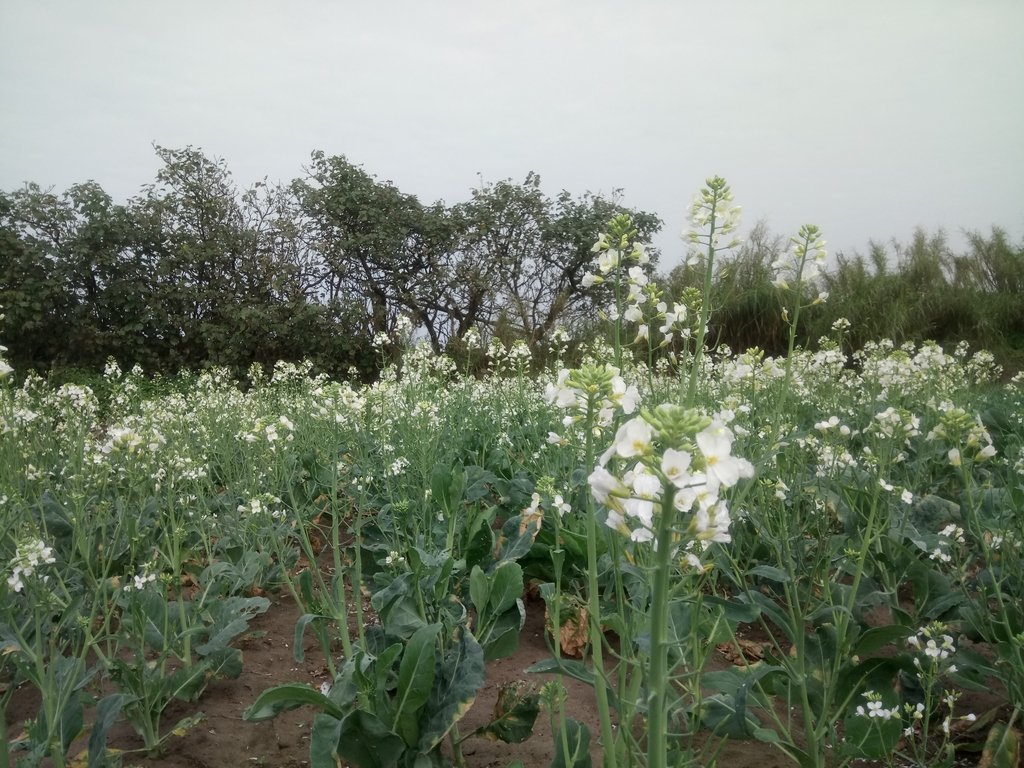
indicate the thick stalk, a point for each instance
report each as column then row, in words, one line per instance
column 657, row 716
column 557, row 558
column 594, row 609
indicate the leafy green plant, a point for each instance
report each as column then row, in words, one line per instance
column 167, row 650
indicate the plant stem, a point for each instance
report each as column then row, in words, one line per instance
column 557, row 558
column 594, row 609
column 657, row 716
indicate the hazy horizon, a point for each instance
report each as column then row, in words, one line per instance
column 868, row 121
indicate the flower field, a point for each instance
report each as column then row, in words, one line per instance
column 819, row 553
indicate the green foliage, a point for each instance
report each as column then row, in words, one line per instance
column 195, row 272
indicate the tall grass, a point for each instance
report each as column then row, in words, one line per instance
column 906, row 292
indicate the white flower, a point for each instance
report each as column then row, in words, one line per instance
column 632, row 439
column 986, row 453
column 560, row 393
column 715, row 442
column 561, row 505
column 675, row 464
column 605, row 487
column 637, row 276
column 633, row 313
column 712, row 524
column 627, row 397
column 608, row 260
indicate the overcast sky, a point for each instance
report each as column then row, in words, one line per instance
column 866, row 118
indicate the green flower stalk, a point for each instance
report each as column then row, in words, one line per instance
column 679, row 461
column 624, row 263
column 713, row 218
column 793, row 271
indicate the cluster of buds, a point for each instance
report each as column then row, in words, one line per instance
column 965, row 432
column 712, row 210
column 624, row 262
column 803, row 262
column 616, row 249
column 596, row 390
column 675, row 454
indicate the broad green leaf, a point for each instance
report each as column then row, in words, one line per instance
column 518, row 535
column 459, row 676
column 447, row 485
column 769, row 572
column 282, row 698
column 384, row 683
column 415, row 680
column 1002, row 748
column 503, row 635
column 876, row 638
column 304, row 621
column 506, row 586
column 733, row 610
column 323, row 741
column 724, row 717
column 106, row 715
column 231, row 618
column 728, row 712
column 226, row 662
column 397, row 607
column 188, row 683
column 367, row 743
column 569, row 667
column 479, row 588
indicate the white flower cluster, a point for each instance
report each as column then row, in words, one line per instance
column 5, row 368
column 935, row 644
column 875, row 708
column 560, row 505
column 897, row 423
column 30, row 555
column 140, row 581
column 281, row 429
column 711, row 209
column 570, row 392
column 803, row 262
column 624, row 262
column 264, row 504
column 693, row 473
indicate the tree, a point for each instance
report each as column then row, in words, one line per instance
column 534, row 251
column 379, row 246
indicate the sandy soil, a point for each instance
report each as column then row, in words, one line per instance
column 224, row 740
